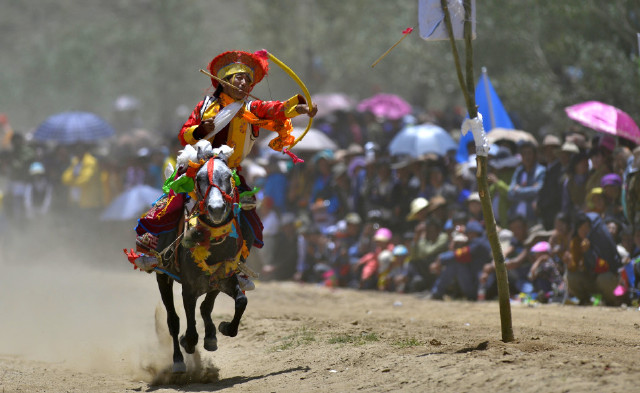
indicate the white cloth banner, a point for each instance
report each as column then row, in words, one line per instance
column 431, row 19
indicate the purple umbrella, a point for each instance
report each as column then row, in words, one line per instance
column 388, row 106
column 605, row 118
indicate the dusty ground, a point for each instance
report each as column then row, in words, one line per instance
column 90, row 327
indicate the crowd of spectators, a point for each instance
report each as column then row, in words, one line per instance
column 566, row 209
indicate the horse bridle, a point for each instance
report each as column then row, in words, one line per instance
column 229, row 199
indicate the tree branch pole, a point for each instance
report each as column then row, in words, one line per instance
column 468, row 89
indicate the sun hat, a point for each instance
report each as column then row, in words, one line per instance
column 417, row 205
column 459, row 237
column 400, row 250
column 551, row 140
column 570, row 147
column 474, row 227
column 382, row 235
column 353, row 218
column 611, row 179
column 541, row 247
column 474, row 196
column 36, row 168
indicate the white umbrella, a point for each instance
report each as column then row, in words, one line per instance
column 315, row 140
column 131, row 203
column 422, row 139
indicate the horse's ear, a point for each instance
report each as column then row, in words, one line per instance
column 223, row 152
column 187, row 154
column 205, row 151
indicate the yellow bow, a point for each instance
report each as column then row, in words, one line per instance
column 307, row 95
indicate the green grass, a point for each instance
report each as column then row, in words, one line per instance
column 354, row 339
column 407, row 343
column 300, row 337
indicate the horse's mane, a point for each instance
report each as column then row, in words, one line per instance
column 202, row 150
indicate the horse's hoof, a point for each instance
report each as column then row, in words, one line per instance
column 190, row 349
column 179, row 368
column 210, row 344
column 225, row 328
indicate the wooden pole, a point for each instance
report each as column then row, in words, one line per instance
column 468, row 89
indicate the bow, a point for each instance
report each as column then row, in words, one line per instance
column 307, row 95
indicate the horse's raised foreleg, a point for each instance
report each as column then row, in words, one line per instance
column 165, row 284
column 232, row 288
column 210, row 340
column 190, row 338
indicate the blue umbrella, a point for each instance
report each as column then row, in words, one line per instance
column 422, row 139
column 73, row 127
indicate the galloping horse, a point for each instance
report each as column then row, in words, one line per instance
column 222, row 237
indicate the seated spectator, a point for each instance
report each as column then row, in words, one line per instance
column 611, row 190
column 594, row 264
column 501, row 165
column 544, row 273
column 282, row 266
column 367, row 266
column 560, row 239
column 311, row 252
column 474, row 207
column 516, row 262
column 38, row 193
column 400, row 273
column 462, row 264
column 429, row 241
column 574, row 188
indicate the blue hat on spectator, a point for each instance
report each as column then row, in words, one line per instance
column 400, row 250
column 474, row 227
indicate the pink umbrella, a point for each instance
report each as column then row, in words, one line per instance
column 331, row 102
column 605, row 118
column 388, row 106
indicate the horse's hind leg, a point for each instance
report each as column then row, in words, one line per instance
column 190, row 338
column 233, row 289
column 210, row 340
column 165, row 284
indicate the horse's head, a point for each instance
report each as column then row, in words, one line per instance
column 214, row 185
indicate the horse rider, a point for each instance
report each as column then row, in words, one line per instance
column 228, row 117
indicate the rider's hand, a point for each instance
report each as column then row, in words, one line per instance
column 208, row 125
column 304, row 109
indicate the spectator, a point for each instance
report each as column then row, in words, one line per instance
column 282, row 265
column 594, row 264
column 83, row 179
column 611, row 191
column 429, row 241
column 368, row 266
column 502, row 164
column 548, row 204
column 574, row 188
column 544, row 273
column 516, row 262
column 400, row 273
column 526, row 183
column 463, row 263
column 38, row 193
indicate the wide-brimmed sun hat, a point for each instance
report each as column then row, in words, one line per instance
column 417, row 205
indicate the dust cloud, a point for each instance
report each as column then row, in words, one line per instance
column 69, row 296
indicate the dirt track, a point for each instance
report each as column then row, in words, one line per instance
column 88, row 329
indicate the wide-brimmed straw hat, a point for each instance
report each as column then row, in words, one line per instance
column 417, row 205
